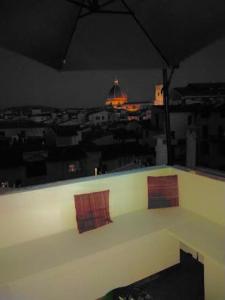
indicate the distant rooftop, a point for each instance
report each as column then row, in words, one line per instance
column 202, row 89
column 66, row 130
column 20, row 124
column 196, row 107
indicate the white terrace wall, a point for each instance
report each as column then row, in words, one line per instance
column 202, row 194
column 46, row 210
column 49, row 209
column 205, row 196
column 214, row 279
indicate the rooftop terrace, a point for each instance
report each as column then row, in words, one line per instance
column 42, row 255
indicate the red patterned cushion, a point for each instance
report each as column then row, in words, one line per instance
column 163, row 191
column 92, row 210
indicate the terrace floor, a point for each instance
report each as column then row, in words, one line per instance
column 183, row 281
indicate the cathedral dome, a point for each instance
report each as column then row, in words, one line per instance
column 116, row 91
column 116, row 96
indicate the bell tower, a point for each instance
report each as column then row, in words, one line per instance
column 158, row 95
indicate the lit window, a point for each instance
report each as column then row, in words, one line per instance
column 71, row 168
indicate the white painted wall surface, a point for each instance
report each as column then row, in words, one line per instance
column 32, row 220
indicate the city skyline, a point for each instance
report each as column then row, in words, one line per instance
column 26, row 82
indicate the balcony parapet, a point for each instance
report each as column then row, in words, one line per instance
column 40, row 245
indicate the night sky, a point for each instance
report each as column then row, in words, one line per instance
column 24, row 81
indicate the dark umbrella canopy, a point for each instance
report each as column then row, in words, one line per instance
column 38, row 29
column 44, row 30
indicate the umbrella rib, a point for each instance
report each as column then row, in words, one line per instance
column 72, row 33
column 118, row 12
column 89, row 7
column 107, row 3
column 145, row 32
column 115, row 12
column 82, row 5
column 102, row 11
column 98, row 10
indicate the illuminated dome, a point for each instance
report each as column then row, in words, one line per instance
column 116, row 96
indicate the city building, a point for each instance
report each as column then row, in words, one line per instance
column 116, row 97
column 158, row 95
column 180, row 116
column 98, row 117
column 206, row 137
column 67, row 135
column 207, row 93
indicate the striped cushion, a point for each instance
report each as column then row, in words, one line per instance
column 163, row 191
